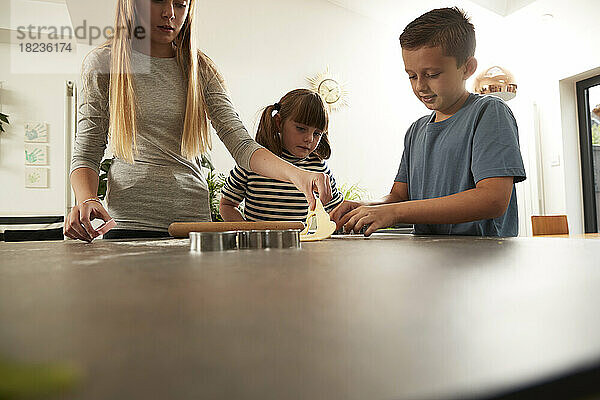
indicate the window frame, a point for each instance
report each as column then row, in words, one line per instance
column 587, row 157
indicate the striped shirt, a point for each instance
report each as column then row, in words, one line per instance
column 269, row 199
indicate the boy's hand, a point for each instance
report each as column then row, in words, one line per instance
column 345, row 207
column 376, row 217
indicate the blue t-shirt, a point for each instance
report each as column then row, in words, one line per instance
column 443, row 158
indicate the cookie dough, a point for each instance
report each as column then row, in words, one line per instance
column 325, row 227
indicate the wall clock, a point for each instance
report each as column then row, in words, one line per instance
column 331, row 89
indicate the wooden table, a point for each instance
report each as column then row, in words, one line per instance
column 389, row 317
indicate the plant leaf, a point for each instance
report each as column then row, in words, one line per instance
column 102, row 189
column 206, row 162
column 105, row 166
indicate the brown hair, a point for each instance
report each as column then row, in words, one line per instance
column 449, row 28
column 303, row 106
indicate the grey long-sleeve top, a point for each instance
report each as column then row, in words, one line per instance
column 161, row 187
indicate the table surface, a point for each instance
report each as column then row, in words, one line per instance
column 391, row 316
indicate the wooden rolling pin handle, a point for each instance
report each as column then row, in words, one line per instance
column 183, row 229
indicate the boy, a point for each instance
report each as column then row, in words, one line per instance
column 460, row 163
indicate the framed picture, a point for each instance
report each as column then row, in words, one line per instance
column 36, row 154
column 36, row 177
column 36, row 132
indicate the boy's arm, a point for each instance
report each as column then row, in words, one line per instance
column 489, row 199
column 398, row 193
column 229, row 211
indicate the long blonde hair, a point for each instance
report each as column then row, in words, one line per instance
column 122, row 103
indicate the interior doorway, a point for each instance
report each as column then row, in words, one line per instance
column 588, row 109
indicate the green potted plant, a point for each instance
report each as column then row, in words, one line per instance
column 353, row 192
column 3, row 119
column 103, row 178
column 215, row 182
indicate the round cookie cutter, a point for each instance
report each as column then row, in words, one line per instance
column 269, row 239
column 233, row 240
column 213, row 241
column 243, row 240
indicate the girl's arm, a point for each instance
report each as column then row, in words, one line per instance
column 337, row 198
column 90, row 143
column 233, row 193
column 85, row 184
column 78, row 223
column 229, row 211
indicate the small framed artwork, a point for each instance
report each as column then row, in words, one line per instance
column 36, row 132
column 36, row 154
column 36, row 177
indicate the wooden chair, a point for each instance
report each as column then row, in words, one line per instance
column 549, row 225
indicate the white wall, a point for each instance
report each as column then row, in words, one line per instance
column 33, row 90
column 550, row 58
column 25, row 98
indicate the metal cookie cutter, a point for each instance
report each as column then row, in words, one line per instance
column 213, row 241
column 274, row 239
column 244, row 240
column 257, row 240
column 286, row 239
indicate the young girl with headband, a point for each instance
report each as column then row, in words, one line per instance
column 153, row 94
column 295, row 129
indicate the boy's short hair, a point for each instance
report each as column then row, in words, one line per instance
column 449, row 28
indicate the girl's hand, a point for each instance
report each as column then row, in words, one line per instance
column 376, row 217
column 78, row 223
column 229, row 211
column 309, row 182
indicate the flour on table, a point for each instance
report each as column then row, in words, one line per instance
column 158, row 243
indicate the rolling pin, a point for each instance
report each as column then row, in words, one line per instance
column 183, row 229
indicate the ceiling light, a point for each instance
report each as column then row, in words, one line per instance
column 547, row 17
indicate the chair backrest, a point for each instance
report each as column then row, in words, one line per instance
column 549, row 225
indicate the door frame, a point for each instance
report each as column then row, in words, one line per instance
column 585, row 145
